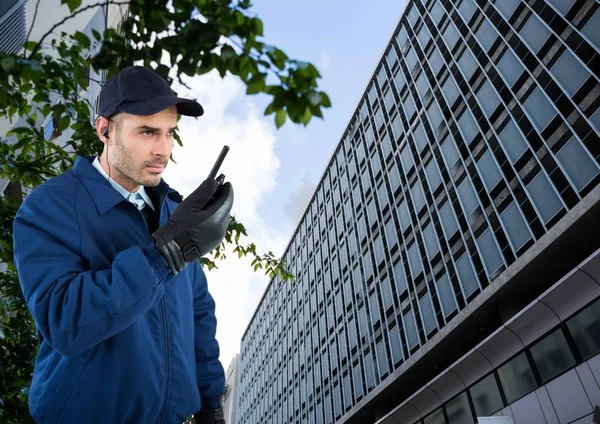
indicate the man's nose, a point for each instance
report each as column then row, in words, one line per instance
column 163, row 146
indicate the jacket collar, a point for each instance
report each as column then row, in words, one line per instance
column 104, row 195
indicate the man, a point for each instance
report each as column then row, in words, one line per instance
column 107, row 255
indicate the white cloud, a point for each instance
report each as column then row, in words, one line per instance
column 325, row 61
column 298, row 200
column 251, row 166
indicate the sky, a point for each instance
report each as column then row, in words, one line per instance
column 274, row 172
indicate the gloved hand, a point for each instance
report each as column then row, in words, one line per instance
column 210, row 416
column 197, row 226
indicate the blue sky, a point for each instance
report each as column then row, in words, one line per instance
column 274, row 172
column 345, row 40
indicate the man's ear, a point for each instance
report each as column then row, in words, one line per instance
column 102, row 129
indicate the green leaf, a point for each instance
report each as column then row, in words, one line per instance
column 73, row 4
column 280, row 117
column 96, row 35
column 256, row 84
column 82, row 39
column 7, row 63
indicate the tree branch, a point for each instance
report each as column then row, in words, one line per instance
column 77, row 12
column 37, row 5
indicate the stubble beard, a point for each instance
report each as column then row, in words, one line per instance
column 128, row 168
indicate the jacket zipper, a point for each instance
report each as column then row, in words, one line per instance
column 163, row 308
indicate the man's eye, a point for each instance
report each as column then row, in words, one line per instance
column 148, row 133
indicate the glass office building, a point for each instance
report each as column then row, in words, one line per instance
column 465, row 185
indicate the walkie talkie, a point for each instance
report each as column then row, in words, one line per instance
column 213, row 172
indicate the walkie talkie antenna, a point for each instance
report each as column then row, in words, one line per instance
column 217, row 165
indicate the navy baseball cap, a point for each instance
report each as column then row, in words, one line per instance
column 141, row 91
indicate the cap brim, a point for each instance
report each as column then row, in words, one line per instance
column 185, row 107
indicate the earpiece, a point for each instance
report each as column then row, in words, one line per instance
column 105, row 133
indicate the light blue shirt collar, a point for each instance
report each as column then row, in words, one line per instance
column 139, row 198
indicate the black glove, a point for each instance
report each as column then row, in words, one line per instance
column 197, row 226
column 210, row 416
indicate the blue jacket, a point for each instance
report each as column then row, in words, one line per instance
column 122, row 340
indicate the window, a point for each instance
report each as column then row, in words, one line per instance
column 449, row 152
column 415, row 261
column 436, row 62
column 467, row 125
column 399, row 278
column 413, row 16
column 534, row 33
column 402, row 38
column 418, row 198
column 513, row 141
column 563, row 6
column 437, row 12
column 448, row 220
column 467, row 197
column 467, row 64
column 450, row 36
column 382, row 77
column 435, row 115
column 379, row 119
column 394, row 179
column 489, row 171
column 467, row 8
column 539, row 109
column 585, row 328
column 382, row 363
column 404, row 216
column 411, row 59
column 430, row 240
column 486, row 396
column 390, row 232
column 400, row 80
column 578, row 164
column 407, row 161
column 392, row 58
column 427, row 315
column 433, row 175
column 422, row 86
column 389, row 101
column 507, row 7
column 467, row 275
column 544, row 197
column 395, row 346
column 382, row 196
column 369, row 371
column 591, row 28
column 489, row 252
column 410, row 330
column 450, row 91
column 486, row 35
column 552, row 355
column 420, row 138
column 409, row 107
column 517, row 378
column 386, row 294
column 516, row 228
column 569, row 72
column 510, row 67
column 459, row 410
column 488, row 99
column 423, row 37
column 436, row 417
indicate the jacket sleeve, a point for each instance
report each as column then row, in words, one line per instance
column 210, row 374
column 74, row 307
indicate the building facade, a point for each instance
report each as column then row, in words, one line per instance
column 19, row 18
column 232, row 383
column 464, row 188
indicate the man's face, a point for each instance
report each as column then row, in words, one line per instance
column 141, row 148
